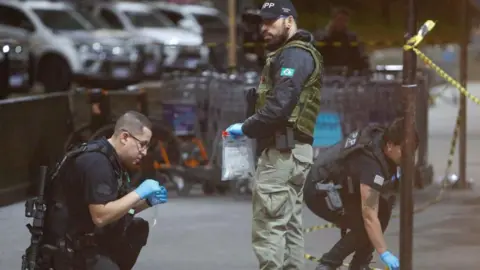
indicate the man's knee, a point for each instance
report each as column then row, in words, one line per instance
column 138, row 232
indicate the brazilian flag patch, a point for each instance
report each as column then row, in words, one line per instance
column 287, row 72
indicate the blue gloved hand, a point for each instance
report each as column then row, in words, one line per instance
column 158, row 197
column 235, row 130
column 147, row 188
column 390, row 260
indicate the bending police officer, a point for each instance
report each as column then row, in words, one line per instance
column 350, row 185
column 287, row 103
column 101, row 227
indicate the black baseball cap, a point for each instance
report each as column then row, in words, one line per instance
column 274, row 9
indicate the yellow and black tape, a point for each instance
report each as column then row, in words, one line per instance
column 411, row 45
column 321, row 227
column 372, row 43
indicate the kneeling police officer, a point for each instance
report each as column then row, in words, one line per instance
column 90, row 221
column 350, row 185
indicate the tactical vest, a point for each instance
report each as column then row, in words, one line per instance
column 330, row 164
column 305, row 113
column 57, row 216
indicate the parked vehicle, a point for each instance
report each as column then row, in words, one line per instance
column 196, row 18
column 151, row 52
column 183, row 49
column 64, row 48
column 14, row 63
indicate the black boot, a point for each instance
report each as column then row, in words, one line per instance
column 322, row 266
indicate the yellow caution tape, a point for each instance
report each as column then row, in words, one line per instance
column 411, row 45
column 424, row 30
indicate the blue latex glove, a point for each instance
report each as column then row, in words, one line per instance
column 399, row 175
column 235, row 130
column 158, row 197
column 147, row 188
column 390, row 260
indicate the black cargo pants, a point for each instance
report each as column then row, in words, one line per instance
column 121, row 253
column 356, row 240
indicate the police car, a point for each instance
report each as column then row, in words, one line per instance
column 66, row 48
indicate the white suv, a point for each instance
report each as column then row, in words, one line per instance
column 149, row 49
column 183, row 49
column 196, row 18
column 65, row 50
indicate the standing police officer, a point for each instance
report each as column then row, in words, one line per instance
column 342, row 47
column 100, row 226
column 286, row 108
column 350, row 185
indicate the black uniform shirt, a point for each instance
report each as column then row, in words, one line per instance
column 366, row 170
column 91, row 180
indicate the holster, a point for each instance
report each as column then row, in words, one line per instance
column 251, row 98
column 330, row 192
column 284, row 139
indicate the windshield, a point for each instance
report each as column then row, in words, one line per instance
column 209, row 20
column 147, row 19
column 96, row 22
column 62, row 20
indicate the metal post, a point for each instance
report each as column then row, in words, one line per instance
column 232, row 39
column 465, row 28
column 409, row 88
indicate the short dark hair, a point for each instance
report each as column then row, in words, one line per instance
column 340, row 10
column 133, row 122
column 395, row 133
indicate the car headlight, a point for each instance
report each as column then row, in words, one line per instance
column 6, row 48
column 17, row 51
column 133, row 53
column 21, row 51
column 89, row 48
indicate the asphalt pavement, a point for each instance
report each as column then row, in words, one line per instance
column 214, row 233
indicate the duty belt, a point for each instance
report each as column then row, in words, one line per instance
column 81, row 242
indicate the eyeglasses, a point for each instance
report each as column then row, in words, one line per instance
column 141, row 145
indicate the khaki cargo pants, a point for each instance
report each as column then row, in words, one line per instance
column 277, row 228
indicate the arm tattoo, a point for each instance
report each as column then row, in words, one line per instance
column 372, row 200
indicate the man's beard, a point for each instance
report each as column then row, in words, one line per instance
column 277, row 41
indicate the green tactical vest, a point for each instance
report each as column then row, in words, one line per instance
column 304, row 115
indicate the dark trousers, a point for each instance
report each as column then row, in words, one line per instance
column 356, row 240
column 120, row 253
